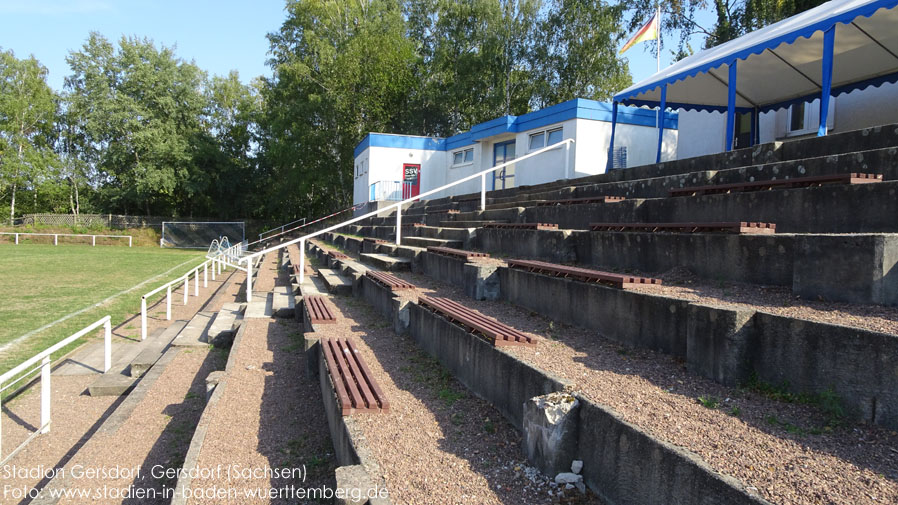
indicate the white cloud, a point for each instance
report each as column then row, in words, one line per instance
column 51, row 7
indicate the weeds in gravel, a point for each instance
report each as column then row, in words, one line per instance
column 450, row 396
column 709, row 402
column 296, row 342
column 827, row 401
column 429, row 372
column 735, row 411
column 457, row 418
column 488, row 426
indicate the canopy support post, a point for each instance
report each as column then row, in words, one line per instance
column 609, row 164
column 829, row 38
column 731, row 106
column 755, row 127
column 661, row 108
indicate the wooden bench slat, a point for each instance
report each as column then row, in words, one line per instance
column 582, row 274
column 336, row 378
column 729, row 227
column 369, row 377
column 580, row 201
column 796, row 182
column 354, row 385
column 389, row 281
column 319, row 309
column 458, row 253
column 494, row 331
column 523, row 226
column 360, row 384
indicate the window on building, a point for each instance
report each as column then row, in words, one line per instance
column 620, row 158
column 537, row 141
column 554, row 136
column 797, row 117
column 803, row 118
column 463, row 157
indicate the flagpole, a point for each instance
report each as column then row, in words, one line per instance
column 659, row 38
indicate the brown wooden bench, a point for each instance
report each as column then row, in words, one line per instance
column 522, row 226
column 354, row 384
column 372, row 240
column 319, row 309
column 497, row 333
column 337, row 255
column 389, row 281
column 456, row 253
column 580, row 201
column 734, row 227
column 582, row 274
column 797, row 182
column 309, row 270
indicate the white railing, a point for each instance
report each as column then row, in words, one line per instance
column 15, row 375
column 566, row 144
column 389, row 191
column 57, row 235
column 217, row 267
column 282, row 227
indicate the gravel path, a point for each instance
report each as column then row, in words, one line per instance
column 269, row 417
column 786, row 451
column 77, row 415
column 439, row 444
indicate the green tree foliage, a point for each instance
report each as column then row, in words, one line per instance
column 27, row 117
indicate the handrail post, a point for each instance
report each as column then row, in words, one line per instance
column 206, row 274
column 143, row 317
column 107, row 345
column 168, row 302
column 567, row 160
column 186, row 287
column 249, row 280
column 45, row 394
column 196, row 282
column 214, row 261
column 302, row 261
column 399, row 224
column 483, row 191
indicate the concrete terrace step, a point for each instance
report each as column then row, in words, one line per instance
column 336, row 283
column 282, row 302
column 384, row 262
column 154, row 348
column 226, row 321
column 261, row 306
column 425, row 242
column 195, row 334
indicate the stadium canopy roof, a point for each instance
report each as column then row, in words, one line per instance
column 834, row 48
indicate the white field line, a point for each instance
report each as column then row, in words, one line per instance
column 31, row 333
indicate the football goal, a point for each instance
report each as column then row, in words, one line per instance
column 199, row 234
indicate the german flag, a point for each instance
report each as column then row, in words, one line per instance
column 649, row 31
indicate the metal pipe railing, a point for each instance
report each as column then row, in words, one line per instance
column 168, row 290
column 16, row 375
column 566, row 144
column 282, row 227
column 57, row 235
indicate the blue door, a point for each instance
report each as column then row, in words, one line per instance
column 504, row 177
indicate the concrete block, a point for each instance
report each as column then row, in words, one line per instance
column 354, row 484
column 225, row 324
column 432, row 242
column 548, row 245
column 311, row 349
column 282, row 301
column 196, row 332
column 550, row 432
column 388, row 263
column 212, row 381
column 719, row 343
column 260, row 307
column 481, row 281
column 115, row 382
column 400, row 317
column 153, row 349
column 336, row 284
column 446, row 269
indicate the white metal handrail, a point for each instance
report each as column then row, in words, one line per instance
column 217, row 267
column 57, row 235
column 282, row 227
column 566, row 144
column 16, row 374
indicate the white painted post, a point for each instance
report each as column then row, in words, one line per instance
column 93, row 240
column 196, row 282
column 206, row 274
column 302, row 261
column 483, row 191
column 186, row 287
column 168, row 303
column 398, row 224
column 45, row 395
column 143, row 317
column 130, row 239
column 17, row 239
column 107, row 346
column 567, row 160
column 55, row 239
column 249, row 280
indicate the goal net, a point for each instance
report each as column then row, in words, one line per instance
column 199, row 234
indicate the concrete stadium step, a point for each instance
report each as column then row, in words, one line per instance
column 226, row 321
column 469, row 224
column 120, row 378
column 282, row 302
column 154, row 348
column 385, row 262
column 260, row 307
column 196, row 333
column 116, row 382
column 427, row 242
column 336, row 283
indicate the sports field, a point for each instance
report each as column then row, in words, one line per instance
column 42, row 283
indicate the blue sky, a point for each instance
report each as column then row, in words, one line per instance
column 218, row 35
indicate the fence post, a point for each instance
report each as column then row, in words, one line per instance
column 186, row 287
column 168, row 303
column 399, row 224
column 130, row 238
column 483, row 191
column 55, row 239
column 206, row 274
column 45, row 395
column 249, row 280
column 17, row 239
column 302, row 261
column 107, row 346
column 196, row 282
column 143, row 317
column 93, row 240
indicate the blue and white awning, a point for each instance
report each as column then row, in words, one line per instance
column 785, row 62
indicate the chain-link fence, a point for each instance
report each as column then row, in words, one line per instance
column 90, row 220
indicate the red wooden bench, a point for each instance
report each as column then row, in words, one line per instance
column 734, row 227
column 580, row 201
column 497, row 333
column 319, row 309
column 797, row 182
column 389, row 281
column 522, row 226
column 354, row 384
column 582, row 274
column 337, row 255
column 456, row 253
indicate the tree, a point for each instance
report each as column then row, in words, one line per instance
column 27, row 114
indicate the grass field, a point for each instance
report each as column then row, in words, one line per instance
column 42, row 283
